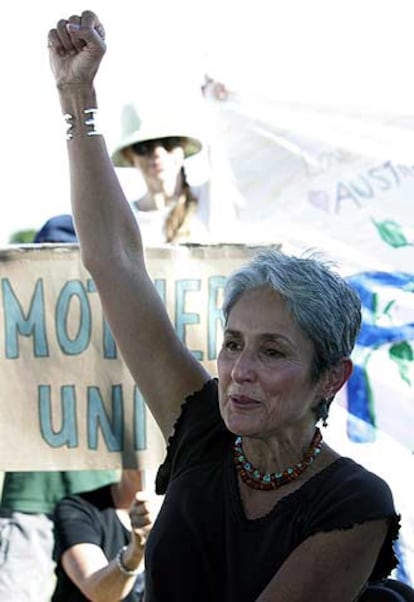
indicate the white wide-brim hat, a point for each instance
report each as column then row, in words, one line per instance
column 152, row 127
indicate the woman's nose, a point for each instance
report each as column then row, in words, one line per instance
column 158, row 150
column 244, row 367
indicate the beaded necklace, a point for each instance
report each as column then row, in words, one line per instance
column 265, row 481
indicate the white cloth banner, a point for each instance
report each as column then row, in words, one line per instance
column 342, row 183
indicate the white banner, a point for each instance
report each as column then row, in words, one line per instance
column 311, row 177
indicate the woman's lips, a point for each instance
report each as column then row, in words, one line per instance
column 157, row 167
column 243, row 401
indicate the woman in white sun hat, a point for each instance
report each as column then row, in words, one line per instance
column 170, row 211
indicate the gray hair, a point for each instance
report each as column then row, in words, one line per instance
column 322, row 303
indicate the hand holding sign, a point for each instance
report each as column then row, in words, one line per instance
column 142, row 515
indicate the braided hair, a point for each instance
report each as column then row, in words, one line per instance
column 177, row 223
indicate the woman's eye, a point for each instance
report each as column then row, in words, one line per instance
column 271, row 352
column 231, row 345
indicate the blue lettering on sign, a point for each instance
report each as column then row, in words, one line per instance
column 73, row 289
column 109, row 345
column 113, row 432
column 33, row 323
column 344, row 192
column 161, row 287
column 140, row 421
column 380, row 178
column 67, row 434
column 182, row 318
column 376, row 174
column 97, row 419
column 215, row 314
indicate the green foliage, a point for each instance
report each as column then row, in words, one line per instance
column 22, row 237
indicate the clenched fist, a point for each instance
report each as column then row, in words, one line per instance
column 76, row 47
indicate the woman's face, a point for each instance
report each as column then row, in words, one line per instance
column 264, row 368
column 159, row 160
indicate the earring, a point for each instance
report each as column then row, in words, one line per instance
column 322, row 411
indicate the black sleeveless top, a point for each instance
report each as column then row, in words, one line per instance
column 203, row 548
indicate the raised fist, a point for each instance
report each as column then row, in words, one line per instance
column 76, row 47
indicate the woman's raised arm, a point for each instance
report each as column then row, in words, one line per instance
column 110, row 241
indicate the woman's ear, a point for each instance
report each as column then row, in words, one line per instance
column 336, row 377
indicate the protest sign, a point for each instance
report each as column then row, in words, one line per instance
column 68, row 401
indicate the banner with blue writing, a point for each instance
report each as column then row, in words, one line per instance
column 67, row 400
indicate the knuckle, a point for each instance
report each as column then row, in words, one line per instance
column 88, row 14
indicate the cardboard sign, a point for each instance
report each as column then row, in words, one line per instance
column 68, row 401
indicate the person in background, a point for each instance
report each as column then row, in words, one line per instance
column 100, row 541
column 29, row 498
column 170, row 210
column 58, row 229
column 257, row 506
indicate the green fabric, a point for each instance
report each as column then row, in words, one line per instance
column 38, row 492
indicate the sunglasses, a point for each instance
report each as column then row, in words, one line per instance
column 147, row 146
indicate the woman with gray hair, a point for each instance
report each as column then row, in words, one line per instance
column 257, row 506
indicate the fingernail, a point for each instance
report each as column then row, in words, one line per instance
column 72, row 26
